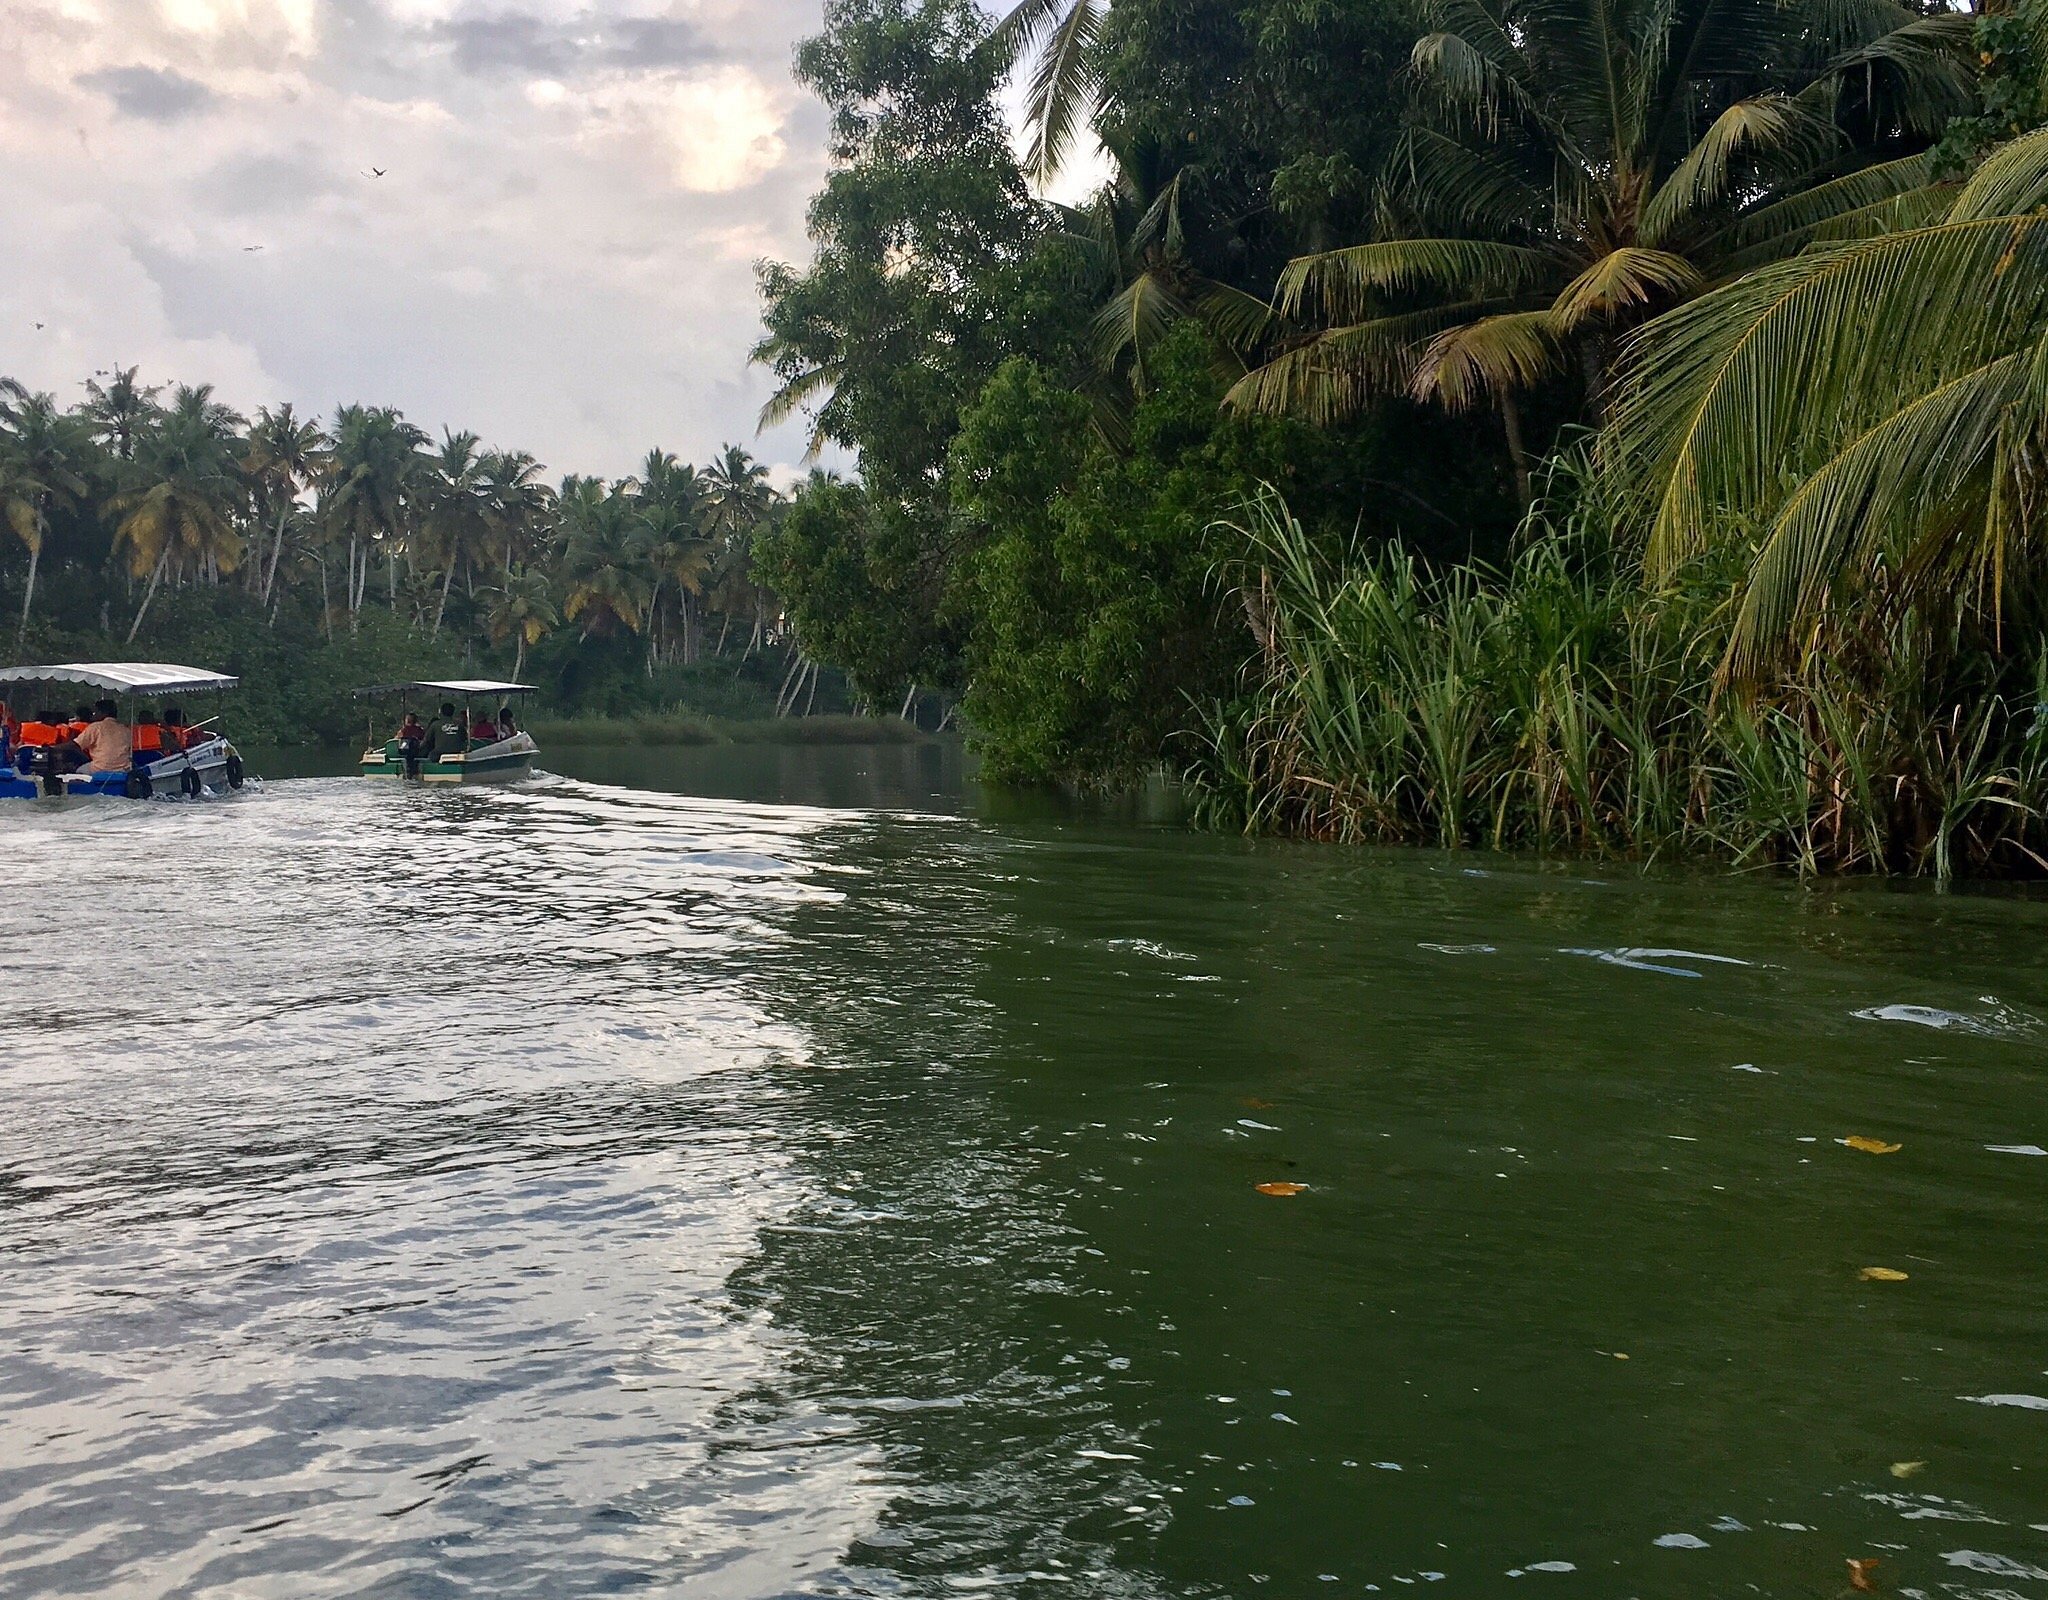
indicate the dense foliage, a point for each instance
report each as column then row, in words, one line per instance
column 312, row 560
column 1754, row 287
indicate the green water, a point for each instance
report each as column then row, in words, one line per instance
column 854, row 1202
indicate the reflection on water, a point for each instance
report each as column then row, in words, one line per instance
column 564, row 1189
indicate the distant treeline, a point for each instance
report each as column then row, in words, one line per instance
column 148, row 517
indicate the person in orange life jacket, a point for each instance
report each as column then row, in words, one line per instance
column 149, row 736
column 44, row 729
column 176, row 735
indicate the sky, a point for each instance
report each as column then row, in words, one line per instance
column 559, row 254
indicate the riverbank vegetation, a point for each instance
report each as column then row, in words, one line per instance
column 1596, row 426
column 311, row 559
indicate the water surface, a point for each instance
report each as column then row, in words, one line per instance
column 567, row 1189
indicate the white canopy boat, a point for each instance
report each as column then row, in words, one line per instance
column 189, row 759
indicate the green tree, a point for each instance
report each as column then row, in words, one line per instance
column 44, row 461
column 522, row 609
column 284, row 459
column 185, row 497
column 1867, row 480
column 367, row 493
column 1590, row 163
column 607, row 581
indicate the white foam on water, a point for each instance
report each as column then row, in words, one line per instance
column 1680, row 1541
column 1992, row 1565
column 2016, row 1150
column 2000, row 1023
column 1457, row 949
column 1653, row 958
column 2023, row 1402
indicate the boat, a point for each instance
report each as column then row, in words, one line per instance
column 478, row 761
column 206, row 762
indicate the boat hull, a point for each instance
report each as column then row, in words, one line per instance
column 214, row 763
column 492, row 763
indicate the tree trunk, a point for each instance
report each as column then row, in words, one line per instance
column 441, row 610
column 813, row 700
column 724, row 629
column 519, row 655
column 149, row 594
column 326, row 604
column 653, row 627
column 909, row 695
column 35, row 559
column 276, row 553
column 1511, row 421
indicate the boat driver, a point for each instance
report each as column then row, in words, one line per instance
column 104, row 745
column 451, row 734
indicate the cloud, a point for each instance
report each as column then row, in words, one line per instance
column 523, row 43
column 559, row 256
column 155, row 94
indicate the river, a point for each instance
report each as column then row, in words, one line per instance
column 572, row 1189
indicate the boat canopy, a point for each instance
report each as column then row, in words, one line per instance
column 124, row 677
column 452, row 686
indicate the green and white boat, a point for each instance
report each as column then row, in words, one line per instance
column 475, row 749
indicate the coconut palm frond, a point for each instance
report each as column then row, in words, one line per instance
column 1479, row 362
column 1346, row 283
column 1621, row 282
column 1238, row 320
column 1764, row 125
column 1064, row 84
column 1792, row 218
column 1908, row 472
column 1332, row 376
column 2011, row 180
column 1724, row 394
column 1135, row 320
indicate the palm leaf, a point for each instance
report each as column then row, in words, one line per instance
column 1346, row 282
column 1763, row 125
column 1623, row 281
column 1487, row 359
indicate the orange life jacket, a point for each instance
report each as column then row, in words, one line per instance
column 43, row 733
column 148, row 738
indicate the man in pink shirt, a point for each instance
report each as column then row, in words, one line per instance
column 106, row 743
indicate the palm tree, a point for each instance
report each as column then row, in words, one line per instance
column 606, row 576
column 1058, row 37
column 42, row 468
column 457, row 522
column 1584, row 163
column 736, row 491
column 284, row 458
column 679, row 556
column 1134, row 252
column 523, row 608
column 120, row 409
column 1867, row 421
column 518, row 505
column 367, row 490
column 185, row 491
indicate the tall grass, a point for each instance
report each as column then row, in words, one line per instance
column 1556, row 704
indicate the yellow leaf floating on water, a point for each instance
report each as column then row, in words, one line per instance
column 1875, row 1147
column 1860, row 1569
column 1906, row 1469
column 1882, row 1275
column 1280, row 1188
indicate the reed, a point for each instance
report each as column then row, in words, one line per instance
column 1557, row 704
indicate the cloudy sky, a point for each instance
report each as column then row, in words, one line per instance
column 559, row 254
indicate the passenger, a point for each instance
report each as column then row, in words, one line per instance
column 176, row 735
column 411, row 735
column 10, row 734
column 81, row 719
column 105, row 745
column 483, row 730
column 506, row 726
column 47, row 728
column 149, row 736
column 451, row 735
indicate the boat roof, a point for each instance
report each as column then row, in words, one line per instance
column 453, row 686
column 124, row 677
